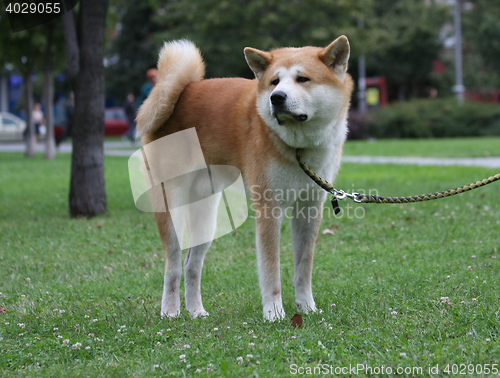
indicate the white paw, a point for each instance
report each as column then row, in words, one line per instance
column 170, row 315
column 274, row 313
column 307, row 307
column 199, row 313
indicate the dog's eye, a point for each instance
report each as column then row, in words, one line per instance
column 275, row 82
column 302, row 79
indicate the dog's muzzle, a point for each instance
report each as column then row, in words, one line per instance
column 278, row 100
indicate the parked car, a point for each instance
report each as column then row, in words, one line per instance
column 115, row 123
column 11, row 127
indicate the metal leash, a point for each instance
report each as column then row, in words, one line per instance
column 363, row 198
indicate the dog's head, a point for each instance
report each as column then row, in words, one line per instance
column 303, row 92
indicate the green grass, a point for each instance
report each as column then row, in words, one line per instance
column 98, row 282
column 444, row 148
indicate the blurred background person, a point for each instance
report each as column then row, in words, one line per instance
column 70, row 115
column 38, row 120
column 130, row 107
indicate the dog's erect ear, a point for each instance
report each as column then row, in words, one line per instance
column 336, row 55
column 257, row 60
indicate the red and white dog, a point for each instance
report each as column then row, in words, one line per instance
column 299, row 99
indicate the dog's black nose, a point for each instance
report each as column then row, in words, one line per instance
column 278, row 98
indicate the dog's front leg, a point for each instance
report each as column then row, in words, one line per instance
column 268, row 261
column 305, row 227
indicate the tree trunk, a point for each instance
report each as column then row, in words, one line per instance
column 87, row 195
column 28, row 108
column 48, row 96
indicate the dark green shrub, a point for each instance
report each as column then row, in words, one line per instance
column 434, row 118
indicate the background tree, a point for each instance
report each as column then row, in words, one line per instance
column 405, row 44
column 52, row 58
column 23, row 50
column 481, row 31
column 84, row 57
column 132, row 51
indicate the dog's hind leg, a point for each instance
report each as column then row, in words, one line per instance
column 192, row 279
column 305, row 227
column 170, row 303
column 202, row 225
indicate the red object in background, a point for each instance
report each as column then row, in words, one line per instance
column 58, row 130
column 438, row 67
column 115, row 123
column 485, row 95
column 381, row 84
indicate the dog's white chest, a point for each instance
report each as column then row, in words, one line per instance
column 290, row 184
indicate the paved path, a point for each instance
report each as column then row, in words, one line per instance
column 126, row 149
column 489, row 162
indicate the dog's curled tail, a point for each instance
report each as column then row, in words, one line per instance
column 179, row 64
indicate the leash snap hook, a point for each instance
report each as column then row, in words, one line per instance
column 354, row 196
column 340, row 194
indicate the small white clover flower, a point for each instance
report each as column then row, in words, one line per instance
column 158, row 344
column 251, row 345
column 141, row 331
column 65, row 342
column 94, row 320
column 156, row 366
column 198, row 371
column 445, row 299
column 131, row 342
column 77, row 346
column 87, row 348
column 86, row 317
column 159, row 333
column 216, row 329
column 187, row 346
column 394, row 313
column 402, row 354
column 239, row 360
column 249, row 356
column 21, row 325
